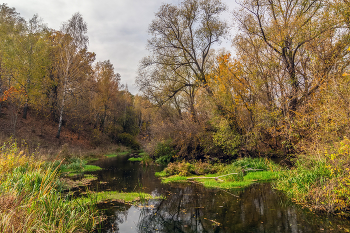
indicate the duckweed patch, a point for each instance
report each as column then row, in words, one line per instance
column 174, row 179
column 116, row 196
column 133, row 159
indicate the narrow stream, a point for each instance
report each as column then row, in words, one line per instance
column 190, row 207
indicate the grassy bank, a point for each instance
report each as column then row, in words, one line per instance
column 239, row 174
column 321, row 181
column 30, row 198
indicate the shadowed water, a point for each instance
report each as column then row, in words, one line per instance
column 189, row 207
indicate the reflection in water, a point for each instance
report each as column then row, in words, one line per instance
column 190, row 207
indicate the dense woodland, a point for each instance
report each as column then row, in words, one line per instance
column 53, row 75
column 281, row 89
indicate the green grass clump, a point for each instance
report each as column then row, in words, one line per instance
column 211, row 183
column 115, row 196
column 135, row 159
column 174, row 179
column 91, row 168
column 161, row 174
column 76, row 166
column 31, row 198
column 300, row 183
column 261, row 176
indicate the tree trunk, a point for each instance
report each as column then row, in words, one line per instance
column 61, row 111
column 25, row 110
column 60, row 122
column 1, row 92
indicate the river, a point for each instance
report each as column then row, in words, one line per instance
column 189, row 207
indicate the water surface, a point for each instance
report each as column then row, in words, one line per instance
column 189, row 207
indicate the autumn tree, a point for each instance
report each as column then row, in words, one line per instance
column 288, row 29
column 11, row 25
column 29, row 61
column 72, row 40
column 181, row 43
column 107, row 87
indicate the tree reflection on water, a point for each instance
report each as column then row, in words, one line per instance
column 189, row 207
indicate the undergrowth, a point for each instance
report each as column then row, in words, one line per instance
column 321, row 182
column 30, row 198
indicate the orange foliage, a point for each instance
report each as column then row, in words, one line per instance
column 12, row 91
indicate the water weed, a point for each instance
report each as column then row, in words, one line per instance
column 115, row 196
column 133, row 159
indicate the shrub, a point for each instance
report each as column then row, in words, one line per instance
column 164, row 152
column 185, row 168
column 180, row 168
column 146, row 160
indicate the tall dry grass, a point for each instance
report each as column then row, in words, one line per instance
column 30, row 198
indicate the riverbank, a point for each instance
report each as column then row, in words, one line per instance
column 34, row 197
column 321, row 181
column 31, row 198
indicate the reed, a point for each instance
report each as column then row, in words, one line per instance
column 30, row 198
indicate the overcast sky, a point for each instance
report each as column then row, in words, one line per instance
column 117, row 29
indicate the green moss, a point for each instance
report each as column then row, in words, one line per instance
column 161, row 174
column 115, row 196
column 91, row 168
column 212, row 183
column 135, row 159
column 174, row 179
